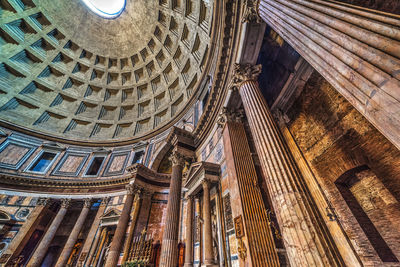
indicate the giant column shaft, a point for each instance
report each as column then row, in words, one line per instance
column 306, row 242
column 73, row 237
column 169, row 247
column 189, row 233
column 118, row 238
column 356, row 50
column 340, row 238
column 41, row 249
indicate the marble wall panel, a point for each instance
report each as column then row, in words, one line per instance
column 15, row 150
column 71, row 164
column 117, row 163
column 157, row 218
column 12, row 154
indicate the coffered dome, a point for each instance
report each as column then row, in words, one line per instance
column 67, row 72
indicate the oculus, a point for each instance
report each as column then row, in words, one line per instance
column 106, row 8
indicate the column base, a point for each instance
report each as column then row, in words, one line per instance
column 188, row 265
column 209, row 265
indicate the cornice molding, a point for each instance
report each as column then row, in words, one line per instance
column 228, row 44
column 17, row 181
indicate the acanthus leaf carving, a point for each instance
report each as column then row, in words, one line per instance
column 177, row 158
column 230, row 115
column 243, row 73
column 250, row 14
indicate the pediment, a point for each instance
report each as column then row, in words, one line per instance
column 112, row 213
column 193, row 169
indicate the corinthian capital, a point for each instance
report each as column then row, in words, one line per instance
column 65, row 202
column 177, row 158
column 131, row 189
column 250, row 14
column 87, row 202
column 245, row 72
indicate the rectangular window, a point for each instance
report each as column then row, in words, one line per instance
column 94, row 167
column 137, row 158
column 43, row 162
column 96, row 205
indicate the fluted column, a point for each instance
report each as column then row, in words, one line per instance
column 340, row 238
column 41, row 249
column 208, row 246
column 356, row 50
column 69, row 245
column 307, row 243
column 91, row 240
column 189, row 233
column 169, row 246
column 131, row 230
column 26, row 230
column 118, row 238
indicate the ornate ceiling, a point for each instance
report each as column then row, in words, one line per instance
column 67, row 72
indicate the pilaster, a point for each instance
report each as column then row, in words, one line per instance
column 257, row 244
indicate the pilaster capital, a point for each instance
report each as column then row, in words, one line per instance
column 104, row 201
column 65, row 203
column 230, row 115
column 87, row 202
column 245, row 72
column 42, row 201
column 250, row 14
